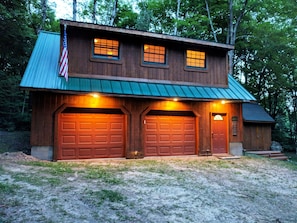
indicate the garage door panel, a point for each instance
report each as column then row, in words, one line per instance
column 69, row 139
column 100, row 126
column 85, row 139
column 91, row 135
column 151, row 150
column 189, row 126
column 164, row 138
column 151, row 126
column 69, row 153
column 164, row 126
column 85, row 126
column 116, row 126
column 177, row 138
column 170, row 135
column 176, row 126
column 100, row 152
column 177, row 150
column 69, row 126
column 116, row 150
column 189, row 138
column 100, row 139
column 188, row 149
column 152, row 138
column 116, row 139
column 165, row 150
column 85, row 152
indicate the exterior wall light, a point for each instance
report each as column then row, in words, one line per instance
column 95, row 95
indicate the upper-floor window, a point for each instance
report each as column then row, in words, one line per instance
column 154, row 54
column 195, row 59
column 106, row 48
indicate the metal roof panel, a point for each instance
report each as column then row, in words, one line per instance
column 126, row 87
column 170, row 90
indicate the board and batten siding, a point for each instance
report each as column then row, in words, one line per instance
column 82, row 64
column 257, row 136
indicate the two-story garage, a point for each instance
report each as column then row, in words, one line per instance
column 132, row 94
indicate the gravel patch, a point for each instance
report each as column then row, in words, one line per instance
column 188, row 189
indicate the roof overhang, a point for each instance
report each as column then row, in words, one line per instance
column 143, row 34
column 254, row 113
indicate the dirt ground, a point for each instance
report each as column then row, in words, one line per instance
column 190, row 189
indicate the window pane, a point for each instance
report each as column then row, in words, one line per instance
column 106, row 48
column 195, row 58
column 154, row 54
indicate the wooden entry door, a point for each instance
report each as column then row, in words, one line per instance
column 219, row 126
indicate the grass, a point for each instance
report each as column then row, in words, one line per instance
column 110, row 195
column 53, row 168
column 7, row 188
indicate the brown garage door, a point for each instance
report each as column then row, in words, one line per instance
column 85, row 136
column 169, row 135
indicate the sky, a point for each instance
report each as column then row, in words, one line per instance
column 63, row 8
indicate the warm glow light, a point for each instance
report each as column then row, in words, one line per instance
column 95, row 95
column 223, row 102
column 175, row 99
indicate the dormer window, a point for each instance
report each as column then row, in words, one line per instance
column 154, row 54
column 106, row 48
column 195, row 59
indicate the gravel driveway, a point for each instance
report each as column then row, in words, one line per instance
column 189, row 189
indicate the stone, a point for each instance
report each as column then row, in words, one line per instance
column 276, row 146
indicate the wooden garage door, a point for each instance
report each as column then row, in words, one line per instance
column 169, row 135
column 85, row 136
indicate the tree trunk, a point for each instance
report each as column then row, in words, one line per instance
column 177, row 16
column 114, row 12
column 94, row 11
column 233, row 24
column 210, row 22
column 74, row 10
column 43, row 14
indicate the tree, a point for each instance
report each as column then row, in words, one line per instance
column 15, row 48
column 20, row 21
column 265, row 60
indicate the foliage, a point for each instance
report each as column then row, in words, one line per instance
column 266, row 62
column 20, row 21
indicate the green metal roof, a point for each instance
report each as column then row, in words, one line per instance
column 43, row 68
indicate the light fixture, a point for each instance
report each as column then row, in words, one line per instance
column 175, row 99
column 223, row 102
column 95, row 95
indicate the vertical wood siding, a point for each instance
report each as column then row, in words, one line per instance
column 257, row 136
column 130, row 64
column 45, row 104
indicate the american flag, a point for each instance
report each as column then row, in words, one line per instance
column 64, row 57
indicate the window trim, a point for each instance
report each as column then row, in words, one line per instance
column 105, row 58
column 194, row 68
column 154, row 64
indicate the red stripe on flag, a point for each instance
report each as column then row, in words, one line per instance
column 64, row 57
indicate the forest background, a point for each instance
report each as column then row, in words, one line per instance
column 264, row 33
